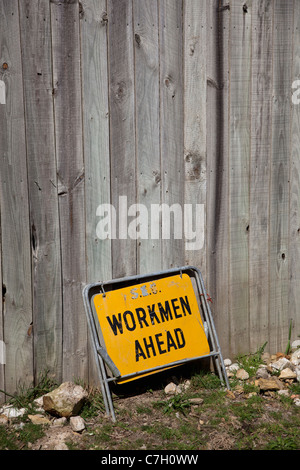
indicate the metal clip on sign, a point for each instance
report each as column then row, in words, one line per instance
column 143, row 324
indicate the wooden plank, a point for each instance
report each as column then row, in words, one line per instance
column 279, row 187
column 147, row 130
column 122, row 131
column 41, row 163
column 15, row 232
column 261, row 98
column 217, row 209
column 70, row 165
column 195, row 57
column 171, row 124
column 239, row 151
column 294, row 212
column 93, row 28
column 96, row 134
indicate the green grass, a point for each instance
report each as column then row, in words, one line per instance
column 220, row 421
column 15, row 438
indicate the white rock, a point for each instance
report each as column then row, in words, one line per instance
column 295, row 357
column 12, row 412
column 234, row 367
column 281, row 364
column 59, row 422
column 77, row 423
column 227, row 362
column 283, row 392
column 39, row 404
column 183, row 387
column 171, row 389
column 297, row 401
column 295, row 345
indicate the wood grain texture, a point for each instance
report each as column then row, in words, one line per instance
column 217, row 139
column 171, row 122
column 70, row 175
column 15, row 232
column 239, row 151
column 195, row 57
column 279, row 184
column 94, row 70
column 122, row 131
column 41, row 164
column 294, row 211
column 261, row 100
column 148, row 170
column 96, row 134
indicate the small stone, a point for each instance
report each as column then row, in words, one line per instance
column 297, row 401
column 196, row 401
column 227, row 362
column 241, row 374
column 4, row 420
column 262, row 373
column 284, row 393
column 230, row 394
column 171, row 389
column 295, row 345
column 183, row 387
column 251, row 394
column 286, row 374
column 77, row 423
column 234, row 367
column 281, row 364
column 295, row 357
column 38, row 419
column 273, row 383
column 59, row 422
column 38, row 402
column 12, row 412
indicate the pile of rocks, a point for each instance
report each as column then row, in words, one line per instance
column 275, row 374
column 56, row 409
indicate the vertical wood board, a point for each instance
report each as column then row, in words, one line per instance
column 41, row 164
column 15, row 233
column 70, row 167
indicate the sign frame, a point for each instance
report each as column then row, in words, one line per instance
column 107, row 369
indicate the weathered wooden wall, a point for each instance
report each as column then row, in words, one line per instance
column 161, row 101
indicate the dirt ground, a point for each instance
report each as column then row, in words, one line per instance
column 146, row 419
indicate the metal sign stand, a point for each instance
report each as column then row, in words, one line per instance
column 103, row 361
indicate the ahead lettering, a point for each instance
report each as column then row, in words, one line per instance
column 157, row 344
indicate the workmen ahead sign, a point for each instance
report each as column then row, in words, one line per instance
column 143, row 324
column 151, row 324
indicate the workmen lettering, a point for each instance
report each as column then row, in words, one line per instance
column 154, row 314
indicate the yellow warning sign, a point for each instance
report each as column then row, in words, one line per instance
column 151, row 324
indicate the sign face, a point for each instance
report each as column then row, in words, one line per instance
column 151, row 324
